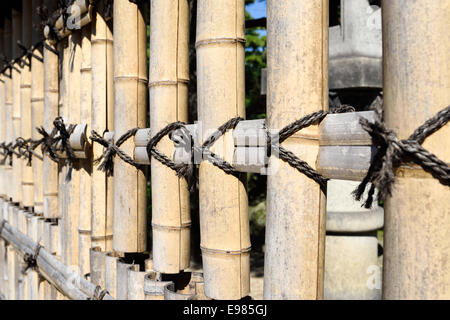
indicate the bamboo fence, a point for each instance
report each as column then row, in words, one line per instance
column 79, row 158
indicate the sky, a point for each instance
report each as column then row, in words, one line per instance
column 257, row 9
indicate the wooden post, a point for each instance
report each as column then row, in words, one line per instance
column 51, row 92
column 130, row 79
column 102, row 118
column 25, row 105
column 37, row 112
column 16, row 74
column 416, row 68
column 224, row 226
column 297, row 84
column 84, row 227
column 168, row 89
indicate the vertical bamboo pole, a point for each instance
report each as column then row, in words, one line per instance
column 25, row 105
column 33, row 276
column 71, row 205
column 224, row 226
column 7, row 45
column 63, row 110
column 111, row 260
column 297, row 84
column 16, row 74
column 169, row 77
column 84, row 227
column 37, row 112
column 102, row 110
column 416, row 67
column 51, row 92
column 2, row 113
column 130, row 78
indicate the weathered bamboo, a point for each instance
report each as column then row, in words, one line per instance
column 297, row 77
column 33, row 277
column 2, row 112
column 16, row 74
column 71, row 209
column 37, row 111
column 136, row 284
column 27, row 184
column 98, row 267
column 102, row 118
column 51, row 92
column 63, row 110
column 84, row 227
column 130, row 78
column 111, row 260
column 416, row 72
column 122, row 278
column 7, row 44
column 153, row 288
column 225, row 239
column 168, row 89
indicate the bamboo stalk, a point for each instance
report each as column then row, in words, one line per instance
column 51, row 92
column 111, row 260
column 71, row 204
column 102, row 111
column 98, row 267
column 168, row 90
column 122, row 278
column 37, row 111
column 297, row 80
column 130, row 80
column 2, row 112
column 224, row 227
column 16, row 117
column 7, row 43
column 84, row 227
column 416, row 232
column 27, row 184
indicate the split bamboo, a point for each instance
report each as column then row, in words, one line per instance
column 416, row 72
column 16, row 74
column 130, row 78
column 51, row 92
column 84, row 227
column 102, row 118
column 168, row 90
column 27, row 184
column 37, row 111
column 297, row 77
column 224, row 226
column 111, row 260
column 122, row 278
column 98, row 266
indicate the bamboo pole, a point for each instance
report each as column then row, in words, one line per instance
column 37, row 111
column 71, row 203
column 225, row 239
column 297, row 84
column 84, row 227
column 7, row 44
column 51, row 92
column 111, row 260
column 130, row 80
column 416, row 68
column 25, row 105
column 168, row 89
column 2, row 110
column 16, row 117
column 122, row 278
column 98, row 267
column 102, row 118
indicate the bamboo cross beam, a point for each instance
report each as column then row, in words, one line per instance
column 345, row 148
column 59, row 275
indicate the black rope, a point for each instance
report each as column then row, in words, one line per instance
column 99, row 294
column 112, row 149
column 30, row 260
column 391, row 152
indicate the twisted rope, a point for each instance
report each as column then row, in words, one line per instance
column 391, row 152
column 30, row 260
column 99, row 294
column 112, row 149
